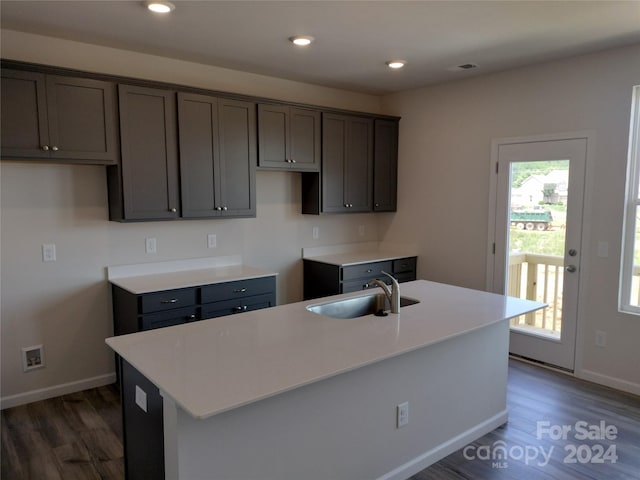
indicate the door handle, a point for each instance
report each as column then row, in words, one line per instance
column 572, row 268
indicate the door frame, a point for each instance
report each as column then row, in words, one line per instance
column 583, row 272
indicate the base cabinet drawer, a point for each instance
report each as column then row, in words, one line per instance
column 230, row 307
column 238, row 289
column 366, row 271
column 176, row 316
column 168, row 299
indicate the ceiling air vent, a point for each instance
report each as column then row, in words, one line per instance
column 467, row 66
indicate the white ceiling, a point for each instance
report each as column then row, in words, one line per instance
column 353, row 38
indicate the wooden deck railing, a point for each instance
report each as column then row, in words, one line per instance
column 538, row 277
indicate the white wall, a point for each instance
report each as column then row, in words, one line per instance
column 66, row 305
column 444, row 170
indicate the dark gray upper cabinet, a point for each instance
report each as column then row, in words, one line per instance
column 145, row 185
column 347, row 163
column 385, row 165
column 217, row 156
column 289, row 138
column 58, row 118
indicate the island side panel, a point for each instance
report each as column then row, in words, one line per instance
column 344, row 427
column 143, row 433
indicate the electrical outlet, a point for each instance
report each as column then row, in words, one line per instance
column 212, row 241
column 141, row 398
column 315, row 232
column 32, row 357
column 48, row 252
column 402, row 414
column 601, row 338
column 150, row 245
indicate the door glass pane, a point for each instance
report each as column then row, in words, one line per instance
column 538, row 211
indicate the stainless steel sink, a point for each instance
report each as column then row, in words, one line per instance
column 376, row 303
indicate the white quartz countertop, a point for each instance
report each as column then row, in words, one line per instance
column 356, row 258
column 155, row 282
column 216, row 365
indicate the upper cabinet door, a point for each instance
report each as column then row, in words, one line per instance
column 334, row 140
column 385, row 165
column 304, row 139
column 273, row 126
column 25, row 132
column 289, row 138
column 238, row 156
column 82, row 119
column 347, row 163
column 199, row 165
column 359, row 165
column 58, row 118
column 148, row 132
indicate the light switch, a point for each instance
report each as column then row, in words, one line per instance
column 603, row 249
column 49, row 252
column 211, row 240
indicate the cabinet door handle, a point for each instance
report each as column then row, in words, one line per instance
column 45, row 148
column 173, row 210
column 240, row 290
column 241, row 308
column 191, row 317
column 54, row 148
column 171, row 300
column 293, row 160
column 224, row 209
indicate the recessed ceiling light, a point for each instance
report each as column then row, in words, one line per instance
column 396, row 64
column 301, row 40
column 161, row 7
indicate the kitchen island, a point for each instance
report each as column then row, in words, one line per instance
column 284, row 393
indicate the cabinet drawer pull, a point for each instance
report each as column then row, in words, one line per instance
column 241, row 308
column 240, row 290
column 172, row 210
column 171, row 300
column 369, row 270
column 191, row 317
column 45, row 148
column 54, row 148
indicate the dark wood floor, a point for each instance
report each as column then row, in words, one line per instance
column 78, row 436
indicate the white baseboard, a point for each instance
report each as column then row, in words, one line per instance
column 430, row 457
column 606, row 380
column 56, row 391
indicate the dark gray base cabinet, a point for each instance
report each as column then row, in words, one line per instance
column 324, row 279
column 139, row 312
